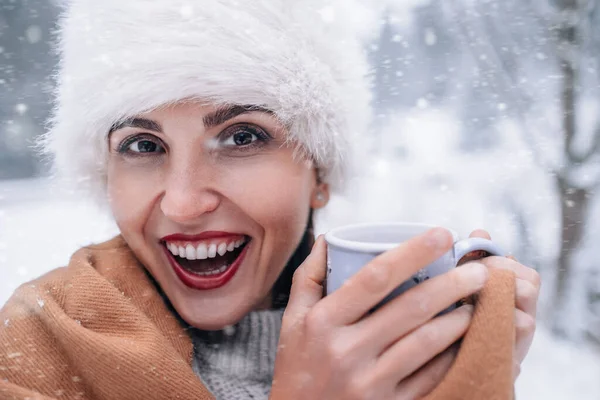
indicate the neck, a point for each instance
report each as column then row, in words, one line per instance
column 265, row 304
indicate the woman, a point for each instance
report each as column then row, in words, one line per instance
column 212, row 130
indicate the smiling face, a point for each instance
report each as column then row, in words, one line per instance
column 212, row 202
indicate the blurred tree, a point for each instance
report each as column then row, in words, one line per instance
column 517, row 46
column 576, row 181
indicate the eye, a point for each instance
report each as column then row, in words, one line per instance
column 243, row 136
column 141, row 145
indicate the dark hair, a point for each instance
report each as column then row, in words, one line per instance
column 281, row 289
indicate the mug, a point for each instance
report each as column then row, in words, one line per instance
column 351, row 247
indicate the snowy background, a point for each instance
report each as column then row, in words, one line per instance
column 486, row 117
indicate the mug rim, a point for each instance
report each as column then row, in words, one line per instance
column 374, row 247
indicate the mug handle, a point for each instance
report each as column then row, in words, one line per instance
column 466, row 246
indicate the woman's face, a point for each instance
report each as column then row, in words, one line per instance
column 213, row 202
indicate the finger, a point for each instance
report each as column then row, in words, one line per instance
column 526, row 297
column 516, row 370
column 307, row 283
column 524, row 332
column 372, row 283
column 427, row 378
column 520, row 270
column 419, row 304
column 480, row 233
column 420, row 346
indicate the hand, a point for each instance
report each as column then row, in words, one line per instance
column 332, row 348
column 527, row 293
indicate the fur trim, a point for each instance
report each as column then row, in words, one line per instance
column 299, row 58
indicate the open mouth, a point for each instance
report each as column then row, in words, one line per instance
column 207, row 264
column 208, row 260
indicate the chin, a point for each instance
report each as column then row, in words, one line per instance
column 212, row 317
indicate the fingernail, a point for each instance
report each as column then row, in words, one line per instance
column 317, row 241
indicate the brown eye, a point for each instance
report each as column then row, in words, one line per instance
column 243, row 138
column 141, row 145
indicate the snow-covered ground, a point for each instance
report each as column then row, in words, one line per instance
column 41, row 227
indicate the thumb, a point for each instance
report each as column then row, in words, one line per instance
column 307, row 285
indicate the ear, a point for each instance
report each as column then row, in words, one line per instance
column 320, row 196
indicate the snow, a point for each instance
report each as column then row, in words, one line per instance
column 33, row 34
column 430, row 37
column 555, row 369
column 21, row 108
column 41, row 227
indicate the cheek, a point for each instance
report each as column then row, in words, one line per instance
column 274, row 193
column 130, row 193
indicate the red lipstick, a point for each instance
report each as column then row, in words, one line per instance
column 204, row 282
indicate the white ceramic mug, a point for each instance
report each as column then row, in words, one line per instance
column 351, row 247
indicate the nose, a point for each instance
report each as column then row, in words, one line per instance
column 188, row 196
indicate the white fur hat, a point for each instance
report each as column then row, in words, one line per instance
column 302, row 59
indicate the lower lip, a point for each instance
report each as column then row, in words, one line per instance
column 199, row 282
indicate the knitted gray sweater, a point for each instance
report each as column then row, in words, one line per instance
column 237, row 362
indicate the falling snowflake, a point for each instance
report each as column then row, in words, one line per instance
column 21, row 108
column 33, row 34
column 40, row 302
column 422, row 103
column 430, row 37
column 229, row 330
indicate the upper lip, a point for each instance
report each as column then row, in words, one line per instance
column 200, row 236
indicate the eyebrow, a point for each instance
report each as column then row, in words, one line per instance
column 142, row 123
column 225, row 113
column 210, row 120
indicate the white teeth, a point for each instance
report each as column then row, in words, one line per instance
column 190, row 252
column 201, row 252
column 212, row 251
